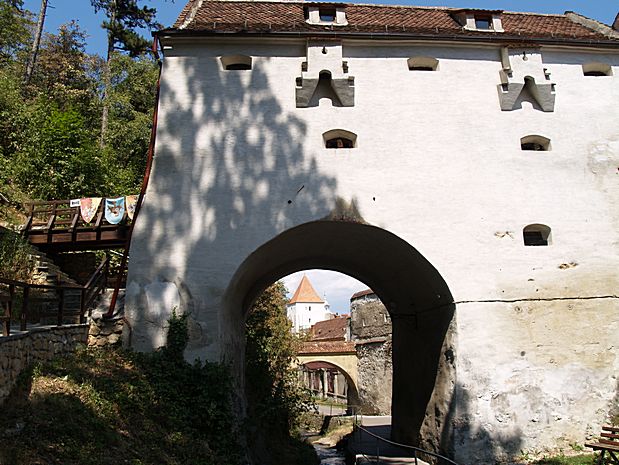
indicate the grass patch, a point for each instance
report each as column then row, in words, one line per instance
column 103, row 407
column 585, row 459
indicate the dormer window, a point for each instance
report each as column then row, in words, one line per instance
column 480, row 20
column 320, row 14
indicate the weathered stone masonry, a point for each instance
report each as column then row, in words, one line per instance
column 19, row 351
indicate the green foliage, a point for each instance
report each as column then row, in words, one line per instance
column 276, row 397
column 60, row 157
column 14, row 30
column 63, row 69
column 49, row 129
column 587, row 459
column 131, row 98
column 15, row 260
column 177, row 337
column 123, row 17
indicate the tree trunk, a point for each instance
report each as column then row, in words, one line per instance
column 107, row 75
column 37, row 42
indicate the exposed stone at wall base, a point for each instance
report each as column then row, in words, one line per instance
column 105, row 332
column 21, row 350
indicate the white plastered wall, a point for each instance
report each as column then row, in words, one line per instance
column 439, row 165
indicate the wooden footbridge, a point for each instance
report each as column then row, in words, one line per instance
column 55, row 226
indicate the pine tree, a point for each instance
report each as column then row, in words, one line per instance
column 123, row 17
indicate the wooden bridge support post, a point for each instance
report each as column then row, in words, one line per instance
column 25, row 310
column 60, row 306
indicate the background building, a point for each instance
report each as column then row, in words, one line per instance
column 306, row 307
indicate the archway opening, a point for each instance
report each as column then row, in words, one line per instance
column 342, row 323
column 416, row 296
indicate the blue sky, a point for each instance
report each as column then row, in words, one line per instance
column 62, row 11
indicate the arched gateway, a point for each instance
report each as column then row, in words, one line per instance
column 417, row 297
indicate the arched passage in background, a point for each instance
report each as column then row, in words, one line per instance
column 416, row 296
column 318, row 375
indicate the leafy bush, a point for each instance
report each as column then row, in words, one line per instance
column 15, row 260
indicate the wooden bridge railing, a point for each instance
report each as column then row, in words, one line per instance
column 12, row 300
column 56, row 225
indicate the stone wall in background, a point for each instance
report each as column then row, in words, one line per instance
column 371, row 331
column 21, row 350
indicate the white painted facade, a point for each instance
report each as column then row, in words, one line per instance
column 305, row 314
column 437, row 164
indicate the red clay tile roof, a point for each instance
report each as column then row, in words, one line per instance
column 327, row 347
column 288, row 17
column 305, row 293
column 361, row 294
column 333, row 329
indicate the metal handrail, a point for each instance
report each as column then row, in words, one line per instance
column 403, row 446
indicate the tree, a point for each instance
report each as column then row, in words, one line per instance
column 274, row 392
column 59, row 158
column 63, row 70
column 36, row 42
column 14, row 30
column 123, row 17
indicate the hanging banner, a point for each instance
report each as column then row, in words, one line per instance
column 89, row 207
column 74, row 202
column 131, row 202
column 114, row 210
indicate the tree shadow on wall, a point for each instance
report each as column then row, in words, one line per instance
column 231, row 171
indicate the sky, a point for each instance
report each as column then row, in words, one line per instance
column 62, row 11
column 337, row 288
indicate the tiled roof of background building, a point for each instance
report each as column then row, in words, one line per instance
column 334, row 329
column 274, row 17
column 305, row 293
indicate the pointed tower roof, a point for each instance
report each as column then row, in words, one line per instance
column 305, row 293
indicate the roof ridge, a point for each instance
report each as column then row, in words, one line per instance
column 192, row 14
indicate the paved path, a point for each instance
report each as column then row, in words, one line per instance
column 365, row 447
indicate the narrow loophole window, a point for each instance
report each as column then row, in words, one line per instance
column 597, row 69
column 236, row 62
column 422, row 64
column 536, row 235
column 339, row 143
column 339, row 139
column 535, row 143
